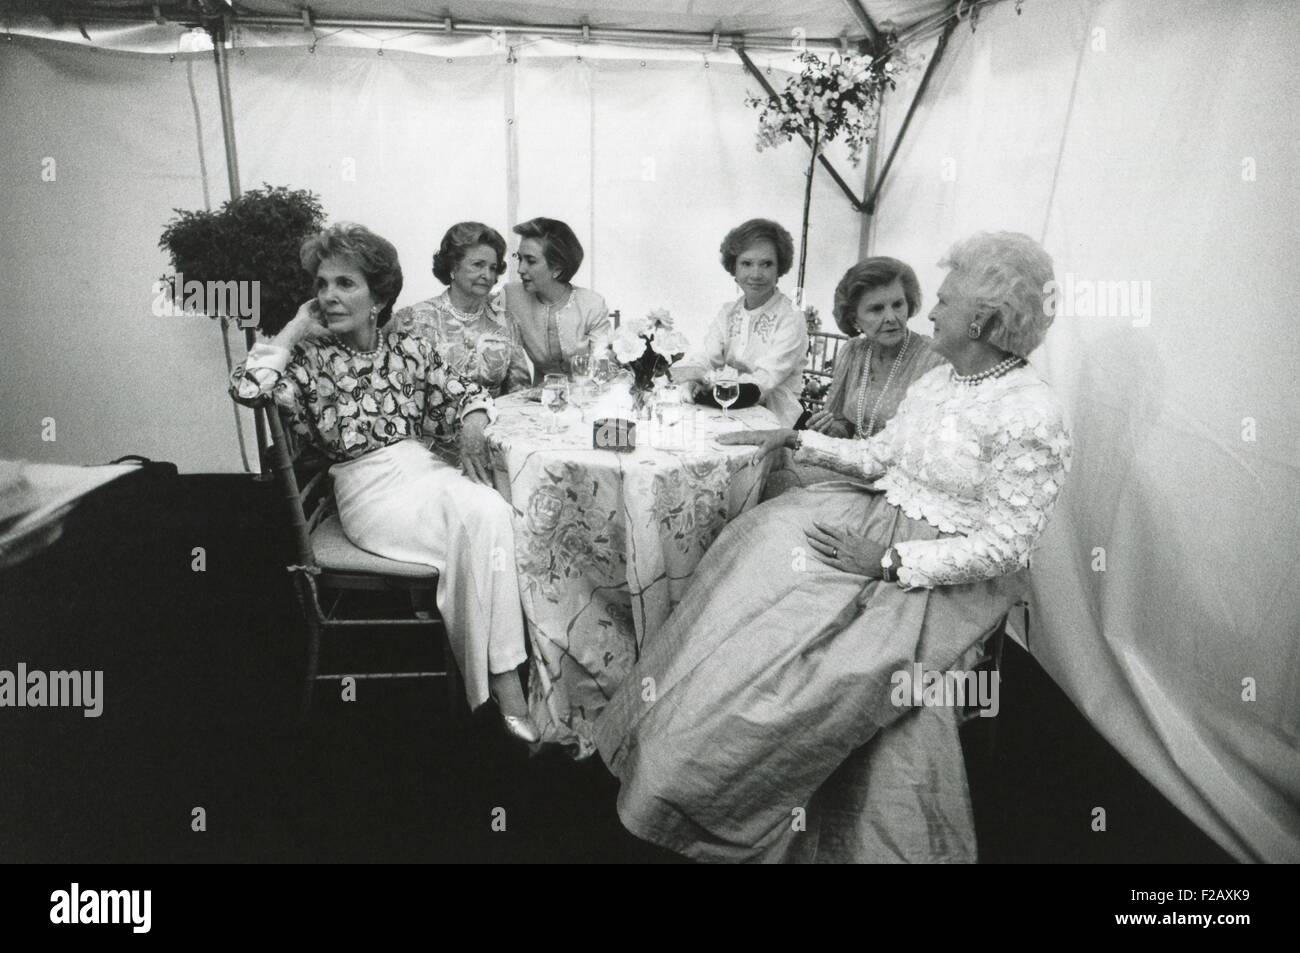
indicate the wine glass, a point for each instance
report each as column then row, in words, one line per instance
column 602, row 369
column 580, row 365
column 580, row 371
column 555, row 397
column 726, row 391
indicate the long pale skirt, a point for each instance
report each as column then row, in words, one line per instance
column 758, row 723
column 402, row 502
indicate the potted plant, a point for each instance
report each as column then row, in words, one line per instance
column 241, row 261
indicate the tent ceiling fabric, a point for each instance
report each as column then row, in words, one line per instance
column 816, row 18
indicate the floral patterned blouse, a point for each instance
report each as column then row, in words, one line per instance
column 487, row 347
column 347, row 403
column 982, row 461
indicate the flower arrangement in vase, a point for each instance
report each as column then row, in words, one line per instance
column 646, row 347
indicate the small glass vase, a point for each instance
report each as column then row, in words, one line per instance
column 643, row 401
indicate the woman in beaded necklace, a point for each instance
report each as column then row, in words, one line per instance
column 873, row 303
column 464, row 324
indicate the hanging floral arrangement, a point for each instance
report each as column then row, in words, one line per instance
column 839, row 95
column 831, row 97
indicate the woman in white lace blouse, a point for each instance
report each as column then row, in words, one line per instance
column 465, row 325
column 761, row 334
column 770, row 697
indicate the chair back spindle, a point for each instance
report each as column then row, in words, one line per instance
column 282, row 466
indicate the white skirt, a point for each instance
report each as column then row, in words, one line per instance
column 404, row 503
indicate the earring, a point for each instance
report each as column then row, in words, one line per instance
column 974, row 330
column 374, row 312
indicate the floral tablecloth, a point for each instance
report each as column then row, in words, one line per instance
column 606, row 542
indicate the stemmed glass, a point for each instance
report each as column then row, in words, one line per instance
column 726, row 391
column 580, row 370
column 555, row 397
column 602, row 369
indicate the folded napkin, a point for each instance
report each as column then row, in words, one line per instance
column 749, row 395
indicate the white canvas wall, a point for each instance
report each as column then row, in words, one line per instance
column 95, row 150
column 1160, row 150
column 651, row 164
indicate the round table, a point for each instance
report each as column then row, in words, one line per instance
column 606, row 542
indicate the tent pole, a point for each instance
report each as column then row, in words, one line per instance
column 870, row 206
column 227, row 112
column 220, row 29
column 860, row 13
column 868, row 222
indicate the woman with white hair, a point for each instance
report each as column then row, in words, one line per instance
column 780, row 669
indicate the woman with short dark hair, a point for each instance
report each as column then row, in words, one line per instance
column 760, row 334
column 555, row 318
column 873, row 303
column 368, row 401
column 467, row 327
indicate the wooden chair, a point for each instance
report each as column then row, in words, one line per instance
column 327, row 566
column 990, row 660
column 823, row 349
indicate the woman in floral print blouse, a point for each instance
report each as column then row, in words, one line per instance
column 465, row 324
column 371, row 401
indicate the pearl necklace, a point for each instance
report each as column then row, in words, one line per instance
column 997, row 370
column 467, row 318
column 355, row 352
column 866, row 378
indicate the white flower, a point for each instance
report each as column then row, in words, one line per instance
column 660, row 317
column 669, row 342
column 628, row 345
column 635, row 325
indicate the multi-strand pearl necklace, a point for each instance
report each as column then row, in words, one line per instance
column 997, row 370
column 467, row 318
column 866, row 379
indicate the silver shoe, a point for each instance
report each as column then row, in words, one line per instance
column 521, row 728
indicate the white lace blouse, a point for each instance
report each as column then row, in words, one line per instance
column 984, row 462
column 767, row 346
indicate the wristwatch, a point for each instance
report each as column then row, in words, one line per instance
column 890, row 563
